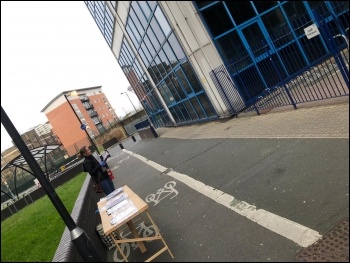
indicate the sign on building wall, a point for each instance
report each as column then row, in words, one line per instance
column 311, row 31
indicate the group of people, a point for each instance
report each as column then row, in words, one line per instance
column 97, row 170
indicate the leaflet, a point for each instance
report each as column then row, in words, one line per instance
column 114, row 201
column 122, row 211
column 113, row 194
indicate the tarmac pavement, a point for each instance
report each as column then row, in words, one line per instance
column 252, row 188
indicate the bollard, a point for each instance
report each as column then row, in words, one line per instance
column 133, row 138
column 121, row 145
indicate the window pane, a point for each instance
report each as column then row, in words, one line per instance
column 145, row 8
column 162, row 21
column 179, row 113
column 196, row 86
column 184, row 112
column 170, row 54
column 160, row 66
column 157, row 31
column 317, row 4
column 153, row 38
column 254, row 37
column 136, row 21
column 164, row 60
column 166, row 95
column 176, row 47
column 156, row 71
column 139, row 14
column 172, row 89
column 177, row 86
column 241, row 11
column 182, row 79
column 152, row 74
column 128, row 48
column 231, row 47
column 190, row 109
column 206, row 105
column 340, row 6
column 217, row 19
column 297, row 15
column 277, row 27
column 262, row 6
column 176, row 118
column 152, row 4
column 138, row 66
column 143, row 57
column 198, row 108
column 149, row 45
column 145, row 50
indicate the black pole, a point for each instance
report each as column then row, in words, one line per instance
column 82, row 123
column 78, row 236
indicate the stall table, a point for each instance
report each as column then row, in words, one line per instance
column 138, row 207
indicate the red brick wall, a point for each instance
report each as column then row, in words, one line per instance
column 67, row 127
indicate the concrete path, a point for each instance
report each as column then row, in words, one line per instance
column 252, row 188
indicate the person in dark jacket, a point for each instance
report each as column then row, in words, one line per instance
column 97, row 169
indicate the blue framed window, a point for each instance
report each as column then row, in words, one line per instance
column 103, row 18
column 248, row 34
column 166, row 63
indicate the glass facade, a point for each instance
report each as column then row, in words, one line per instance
column 251, row 34
column 164, row 60
column 167, row 65
column 103, row 18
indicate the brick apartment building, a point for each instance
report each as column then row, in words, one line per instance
column 90, row 105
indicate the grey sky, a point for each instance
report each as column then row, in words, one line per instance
column 46, row 48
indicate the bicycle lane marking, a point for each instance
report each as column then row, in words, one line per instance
column 293, row 231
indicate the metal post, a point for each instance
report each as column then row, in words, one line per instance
column 81, row 123
column 78, row 236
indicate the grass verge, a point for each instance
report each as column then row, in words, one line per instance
column 33, row 233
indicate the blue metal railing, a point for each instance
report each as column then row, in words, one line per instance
column 292, row 70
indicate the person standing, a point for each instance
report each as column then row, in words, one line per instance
column 97, row 170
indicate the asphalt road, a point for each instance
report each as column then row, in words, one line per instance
column 298, row 182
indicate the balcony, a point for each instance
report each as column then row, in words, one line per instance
column 84, row 98
column 92, row 114
column 88, row 105
column 97, row 121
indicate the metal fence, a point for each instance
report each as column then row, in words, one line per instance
column 291, row 68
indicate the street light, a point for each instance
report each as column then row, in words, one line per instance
column 78, row 236
column 132, row 104
column 82, row 126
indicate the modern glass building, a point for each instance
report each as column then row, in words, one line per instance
column 168, row 50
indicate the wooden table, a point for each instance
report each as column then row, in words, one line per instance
column 141, row 207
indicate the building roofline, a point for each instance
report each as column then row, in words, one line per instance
column 65, row 92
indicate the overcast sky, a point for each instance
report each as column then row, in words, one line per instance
column 46, row 48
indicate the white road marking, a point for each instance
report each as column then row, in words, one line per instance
column 298, row 233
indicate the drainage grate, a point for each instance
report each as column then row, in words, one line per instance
column 332, row 247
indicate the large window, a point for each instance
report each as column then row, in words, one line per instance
column 166, row 64
column 250, row 34
column 103, row 18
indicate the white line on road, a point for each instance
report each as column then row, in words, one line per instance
column 300, row 234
